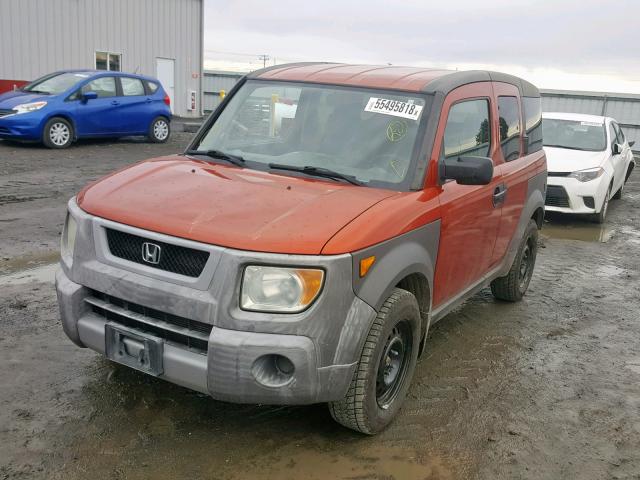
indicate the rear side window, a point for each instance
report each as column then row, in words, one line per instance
column 509, row 127
column 131, row 86
column 468, row 131
column 152, row 87
column 103, row 86
column 532, row 107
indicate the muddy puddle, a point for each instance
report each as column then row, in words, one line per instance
column 584, row 232
column 42, row 274
column 28, row 262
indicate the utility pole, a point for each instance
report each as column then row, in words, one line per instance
column 264, row 59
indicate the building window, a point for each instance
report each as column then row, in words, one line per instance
column 108, row 61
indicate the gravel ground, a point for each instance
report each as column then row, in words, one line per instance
column 548, row 388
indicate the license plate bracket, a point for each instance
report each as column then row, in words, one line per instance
column 134, row 349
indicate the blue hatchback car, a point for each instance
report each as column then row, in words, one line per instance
column 64, row 106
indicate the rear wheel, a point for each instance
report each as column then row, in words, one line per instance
column 385, row 369
column 514, row 284
column 159, row 130
column 57, row 133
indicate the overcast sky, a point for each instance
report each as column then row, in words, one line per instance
column 565, row 44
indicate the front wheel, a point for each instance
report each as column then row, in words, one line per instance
column 385, row 369
column 57, row 133
column 601, row 216
column 514, row 284
column 159, row 130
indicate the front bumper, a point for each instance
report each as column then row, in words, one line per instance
column 27, row 126
column 568, row 195
column 322, row 343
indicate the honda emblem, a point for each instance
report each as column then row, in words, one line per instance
column 151, row 253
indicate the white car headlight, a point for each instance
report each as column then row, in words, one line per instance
column 28, row 107
column 587, row 175
column 279, row 289
column 68, row 240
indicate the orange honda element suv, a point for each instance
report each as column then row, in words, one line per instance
column 323, row 217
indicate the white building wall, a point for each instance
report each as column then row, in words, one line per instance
column 42, row 36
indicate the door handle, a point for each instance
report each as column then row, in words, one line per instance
column 499, row 194
column 149, row 100
column 115, row 102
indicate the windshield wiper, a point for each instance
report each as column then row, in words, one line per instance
column 318, row 172
column 572, row 148
column 38, row 91
column 236, row 160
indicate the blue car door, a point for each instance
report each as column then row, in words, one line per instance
column 98, row 116
column 135, row 109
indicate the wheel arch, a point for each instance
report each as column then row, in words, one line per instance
column 64, row 115
column 407, row 261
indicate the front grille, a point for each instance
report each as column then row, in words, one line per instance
column 558, row 174
column 173, row 258
column 176, row 330
column 557, row 196
column 4, row 112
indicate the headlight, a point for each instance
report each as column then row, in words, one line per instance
column 28, row 107
column 277, row 289
column 587, row 175
column 68, row 241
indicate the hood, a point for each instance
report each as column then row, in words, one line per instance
column 567, row 160
column 9, row 100
column 229, row 206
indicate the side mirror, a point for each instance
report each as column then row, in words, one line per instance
column 467, row 170
column 632, row 143
column 89, row 96
column 616, row 148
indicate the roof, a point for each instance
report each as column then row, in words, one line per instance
column 413, row 79
column 581, row 117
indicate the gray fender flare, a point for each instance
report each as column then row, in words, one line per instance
column 414, row 252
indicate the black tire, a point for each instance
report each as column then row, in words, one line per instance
column 375, row 395
column 57, row 133
column 601, row 216
column 513, row 286
column 159, row 130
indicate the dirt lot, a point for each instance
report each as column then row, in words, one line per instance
column 548, row 388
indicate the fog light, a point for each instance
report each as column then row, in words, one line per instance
column 273, row 370
column 589, row 202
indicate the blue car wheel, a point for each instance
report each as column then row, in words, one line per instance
column 57, row 133
column 159, row 130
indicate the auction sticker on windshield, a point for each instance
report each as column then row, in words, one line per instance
column 396, row 108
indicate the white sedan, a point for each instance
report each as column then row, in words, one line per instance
column 588, row 161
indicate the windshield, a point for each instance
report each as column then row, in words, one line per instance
column 365, row 134
column 56, row 84
column 574, row 134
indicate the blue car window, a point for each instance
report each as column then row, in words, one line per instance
column 131, row 86
column 152, row 86
column 103, row 86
